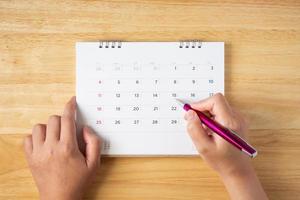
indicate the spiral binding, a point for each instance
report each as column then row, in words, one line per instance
column 190, row 44
column 110, row 44
column 182, row 44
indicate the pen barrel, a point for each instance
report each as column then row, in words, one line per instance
column 227, row 134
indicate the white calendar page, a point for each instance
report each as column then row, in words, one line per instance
column 127, row 94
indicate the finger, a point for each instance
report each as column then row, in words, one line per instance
column 240, row 124
column 70, row 108
column 206, row 129
column 68, row 131
column 217, row 105
column 93, row 147
column 199, row 136
column 38, row 135
column 243, row 120
column 28, row 146
column 53, row 129
column 68, row 127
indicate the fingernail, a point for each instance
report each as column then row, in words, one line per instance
column 90, row 130
column 73, row 101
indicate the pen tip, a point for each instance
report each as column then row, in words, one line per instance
column 180, row 102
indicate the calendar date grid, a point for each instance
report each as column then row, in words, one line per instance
column 136, row 124
column 155, row 81
column 153, row 96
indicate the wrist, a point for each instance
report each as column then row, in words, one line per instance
column 237, row 171
column 244, row 185
column 243, row 174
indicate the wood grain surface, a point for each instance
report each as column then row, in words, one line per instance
column 262, row 67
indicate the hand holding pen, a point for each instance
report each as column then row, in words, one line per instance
column 212, row 147
column 226, row 133
column 233, row 166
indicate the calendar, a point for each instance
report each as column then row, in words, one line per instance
column 126, row 92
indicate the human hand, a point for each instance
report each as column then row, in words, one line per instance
column 217, row 152
column 58, row 167
column 233, row 166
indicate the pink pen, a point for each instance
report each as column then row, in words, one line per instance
column 227, row 134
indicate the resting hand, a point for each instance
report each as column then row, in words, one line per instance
column 58, row 167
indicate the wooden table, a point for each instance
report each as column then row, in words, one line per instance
column 37, row 76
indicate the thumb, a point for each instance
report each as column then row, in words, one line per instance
column 93, row 147
column 196, row 131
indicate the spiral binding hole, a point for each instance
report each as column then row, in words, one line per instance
column 187, row 44
column 180, row 44
column 199, row 44
column 193, row 44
